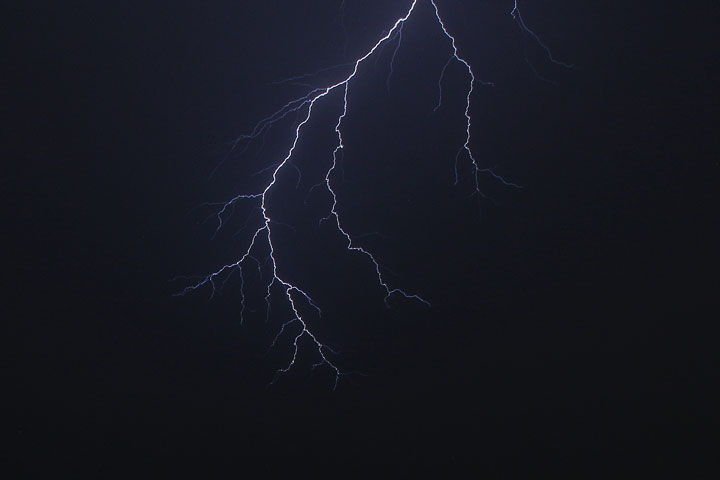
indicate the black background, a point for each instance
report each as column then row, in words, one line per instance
column 573, row 321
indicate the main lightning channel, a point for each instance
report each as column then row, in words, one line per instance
column 264, row 232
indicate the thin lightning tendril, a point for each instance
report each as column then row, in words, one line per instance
column 519, row 19
column 294, row 295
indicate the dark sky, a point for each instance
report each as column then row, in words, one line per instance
column 573, row 321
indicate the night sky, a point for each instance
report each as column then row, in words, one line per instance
column 573, row 321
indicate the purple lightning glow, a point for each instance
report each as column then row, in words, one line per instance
column 293, row 294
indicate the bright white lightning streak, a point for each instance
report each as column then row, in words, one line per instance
column 293, row 293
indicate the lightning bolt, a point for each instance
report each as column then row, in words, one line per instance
column 297, row 299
